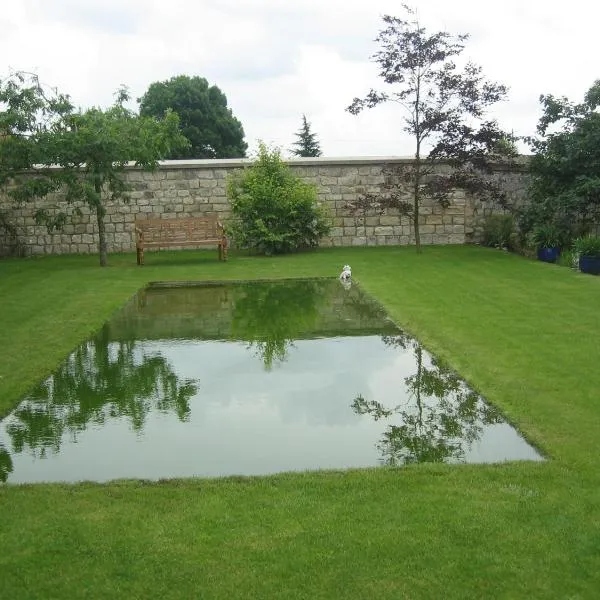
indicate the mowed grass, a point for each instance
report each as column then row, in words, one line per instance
column 525, row 334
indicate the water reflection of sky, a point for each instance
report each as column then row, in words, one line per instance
column 247, row 420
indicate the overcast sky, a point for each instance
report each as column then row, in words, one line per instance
column 277, row 59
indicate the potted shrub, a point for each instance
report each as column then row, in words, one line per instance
column 547, row 241
column 588, row 249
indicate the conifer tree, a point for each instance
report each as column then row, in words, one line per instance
column 307, row 143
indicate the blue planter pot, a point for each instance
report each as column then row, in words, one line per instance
column 589, row 264
column 548, row 254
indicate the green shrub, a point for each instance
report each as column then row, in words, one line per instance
column 274, row 211
column 546, row 236
column 499, row 232
column 568, row 258
column 588, row 245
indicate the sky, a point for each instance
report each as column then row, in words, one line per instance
column 278, row 59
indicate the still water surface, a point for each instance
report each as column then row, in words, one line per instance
column 248, row 379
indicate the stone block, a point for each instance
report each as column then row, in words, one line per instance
column 208, row 183
column 384, row 231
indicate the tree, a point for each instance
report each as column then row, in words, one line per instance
column 307, row 143
column 565, row 191
column 205, row 119
column 444, row 109
column 30, row 113
column 92, row 149
column 274, row 211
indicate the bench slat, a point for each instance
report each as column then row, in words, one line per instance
column 190, row 231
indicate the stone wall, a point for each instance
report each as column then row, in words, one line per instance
column 198, row 187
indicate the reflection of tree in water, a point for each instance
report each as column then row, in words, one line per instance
column 271, row 316
column 6, row 465
column 441, row 419
column 99, row 381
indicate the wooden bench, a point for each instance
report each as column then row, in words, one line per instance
column 179, row 233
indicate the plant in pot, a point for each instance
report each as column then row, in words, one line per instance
column 588, row 249
column 547, row 241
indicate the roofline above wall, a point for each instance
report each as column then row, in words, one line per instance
column 215, row 163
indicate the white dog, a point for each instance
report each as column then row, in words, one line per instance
column 346, row 274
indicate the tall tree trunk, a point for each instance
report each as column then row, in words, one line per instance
column 417, row 200
column 417, row 188
column 100, row 212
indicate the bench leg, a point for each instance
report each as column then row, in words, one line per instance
column 224, row 249
column 140, row 256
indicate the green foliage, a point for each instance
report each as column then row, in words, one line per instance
column 307, row 143
column 271, row 315
column 204, row 117
column 568, row 258
column 566, row 166
column 92, row 147
column 499, row 232
column 505, row 146
column 30, row 115
column 587, row 245
column 273, row 211
column 546, row 236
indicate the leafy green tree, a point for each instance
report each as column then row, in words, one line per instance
column 307, row 143
column 204, row 117
column 30, row 114
column 444, row 109
column 91, row 147
column 273, row 210
column 566, row 166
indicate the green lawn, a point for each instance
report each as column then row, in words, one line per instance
column 525, row 334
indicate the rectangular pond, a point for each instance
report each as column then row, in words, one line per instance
column 248, row 379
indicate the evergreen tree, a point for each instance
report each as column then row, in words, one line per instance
column 307, row 143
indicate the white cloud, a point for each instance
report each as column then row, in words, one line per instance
column 276, row 60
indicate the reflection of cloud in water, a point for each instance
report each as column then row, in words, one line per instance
column 315, row 385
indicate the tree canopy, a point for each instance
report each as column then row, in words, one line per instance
column 566, row 166
column 306, row 143
column 444, row 109
column 204, row 117
column 41, row 131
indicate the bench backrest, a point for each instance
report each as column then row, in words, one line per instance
column 179, row 230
